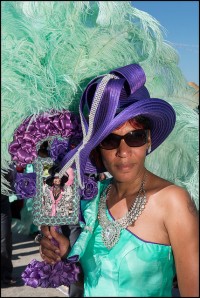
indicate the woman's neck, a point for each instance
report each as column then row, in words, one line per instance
column 128, row 189
column 57, row 187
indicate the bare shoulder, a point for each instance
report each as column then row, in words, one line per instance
column 173, row 197
column 178, row 199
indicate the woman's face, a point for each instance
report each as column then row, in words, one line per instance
column 124, row 162
column 56, row 181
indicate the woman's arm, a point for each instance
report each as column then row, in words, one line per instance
column 182, row 226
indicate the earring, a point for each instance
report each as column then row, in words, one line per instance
column 149, row 149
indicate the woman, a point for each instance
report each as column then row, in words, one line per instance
column 140, row 230
column 57, row 196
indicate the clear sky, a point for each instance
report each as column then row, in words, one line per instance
column 181, row 21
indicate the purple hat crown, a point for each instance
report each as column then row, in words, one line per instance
column 129, row 80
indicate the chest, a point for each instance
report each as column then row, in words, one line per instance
column 133, row 272
column 149, row 225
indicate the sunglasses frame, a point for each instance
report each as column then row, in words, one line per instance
column 119, row 138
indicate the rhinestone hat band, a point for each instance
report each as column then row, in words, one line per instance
column 86, row 137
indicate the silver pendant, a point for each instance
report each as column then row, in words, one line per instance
column 110, row 235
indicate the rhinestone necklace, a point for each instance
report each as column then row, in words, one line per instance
column 111, row 229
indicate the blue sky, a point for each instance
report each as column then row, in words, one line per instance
column 181, row 21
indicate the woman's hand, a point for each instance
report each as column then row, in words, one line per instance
column 49, row 252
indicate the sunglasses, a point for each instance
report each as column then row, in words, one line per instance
column 135, row 138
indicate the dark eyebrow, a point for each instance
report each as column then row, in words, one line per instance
column 132, row 131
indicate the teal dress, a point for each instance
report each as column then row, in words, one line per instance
column 132, row 268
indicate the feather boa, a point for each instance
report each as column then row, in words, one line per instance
column 52, row 49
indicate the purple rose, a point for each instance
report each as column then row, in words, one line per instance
column 90, row 190
column 40, row 274
column 58, row 149
column 25, row 185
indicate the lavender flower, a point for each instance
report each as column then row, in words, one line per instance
column 41, row 274
column 25, row 185
column 58, row 149
column 90, row 190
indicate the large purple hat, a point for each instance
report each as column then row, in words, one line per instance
column 110, row 100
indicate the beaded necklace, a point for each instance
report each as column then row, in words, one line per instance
column 111, row 229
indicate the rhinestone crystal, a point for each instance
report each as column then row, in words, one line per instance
column 111, row 229
column 110, row 235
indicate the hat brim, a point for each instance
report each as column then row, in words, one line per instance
column 160, row 113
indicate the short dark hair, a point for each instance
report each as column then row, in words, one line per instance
column 141, row 120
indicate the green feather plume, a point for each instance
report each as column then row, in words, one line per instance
column 52, row 49
column 176, row 159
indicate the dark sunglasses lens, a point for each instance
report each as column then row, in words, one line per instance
column 110, row 142
column 136, row 138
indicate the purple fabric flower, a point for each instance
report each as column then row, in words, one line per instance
column 90, row 190
column 41, row 274
column 25, row 185
column 58, row 149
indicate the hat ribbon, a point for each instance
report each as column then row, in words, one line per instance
column 87, row 135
